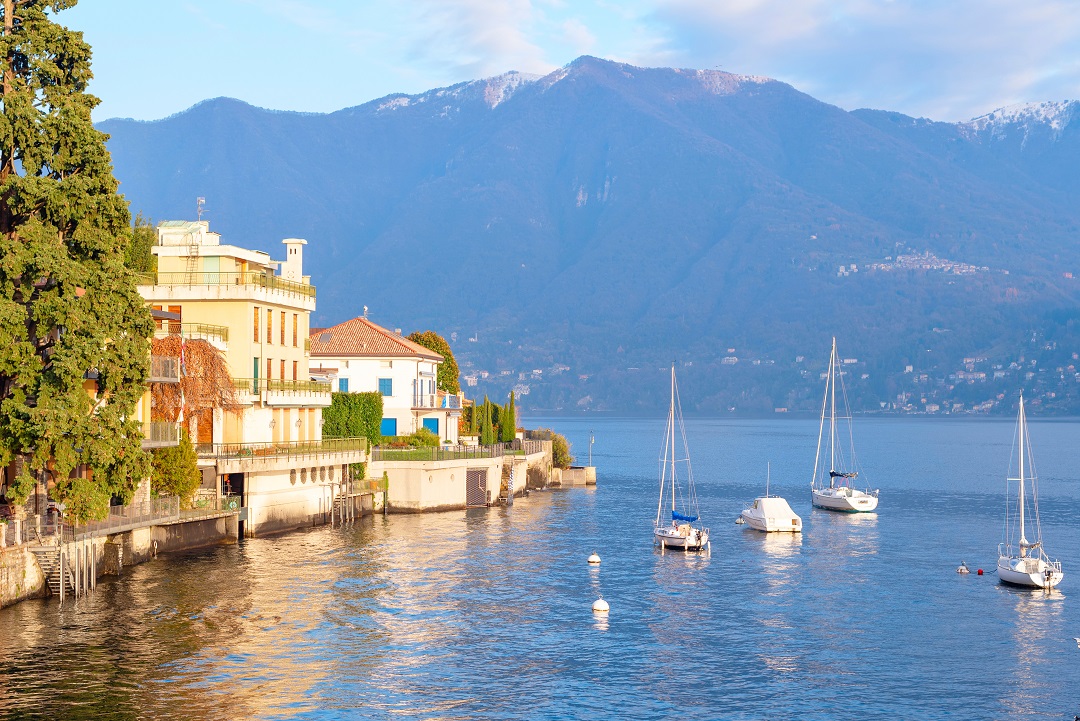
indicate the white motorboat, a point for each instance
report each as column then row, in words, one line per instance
column 834, row 489
column 1022, row 562
column 677, row 522
column 771, row 513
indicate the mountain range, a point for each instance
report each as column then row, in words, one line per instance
column 599, row 222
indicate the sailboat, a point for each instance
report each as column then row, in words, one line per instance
column 1026, row 562
column 834, row 489
column 677, row 517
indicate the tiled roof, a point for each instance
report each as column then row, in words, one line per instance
column 360, row 337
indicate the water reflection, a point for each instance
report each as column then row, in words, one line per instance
column 1036, row 627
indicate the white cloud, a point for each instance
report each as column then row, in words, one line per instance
column 476, row 38
column 946, row 60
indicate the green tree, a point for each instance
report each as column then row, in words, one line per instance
column 487, row 431
column 508, row 426
column 447, row 379
column 560, row 451
column 137, row 254
column 175, row 470
column 69, row 310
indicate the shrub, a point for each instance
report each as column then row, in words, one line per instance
column 422, row 438
column 560, row 448
column 354, row 414
column 175, row 471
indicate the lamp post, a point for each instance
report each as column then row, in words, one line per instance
column 592, row 439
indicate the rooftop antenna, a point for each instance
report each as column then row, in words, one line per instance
column 199, row 203
column 365, row 311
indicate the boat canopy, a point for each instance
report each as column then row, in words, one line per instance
column 676, row 516
column 838, row 474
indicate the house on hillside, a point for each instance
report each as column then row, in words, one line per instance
column 360, row 356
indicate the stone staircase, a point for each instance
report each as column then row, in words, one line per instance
column 48, row 559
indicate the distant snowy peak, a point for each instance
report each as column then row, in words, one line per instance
column 1024, row 118
column 718, row 82
column 492, row 91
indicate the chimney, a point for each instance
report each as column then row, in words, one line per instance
column 293, row 267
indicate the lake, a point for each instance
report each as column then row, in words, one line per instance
column 486, row 613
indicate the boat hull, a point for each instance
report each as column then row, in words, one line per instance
column 772, row 515
column 693, row 539
column 1028, row 572
column 846, row 500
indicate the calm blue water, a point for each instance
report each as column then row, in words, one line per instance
column 486, row 613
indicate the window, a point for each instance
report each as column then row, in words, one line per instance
column 295, row 326
column 432, row 424
column 282, row 327
column 283, row 370
column 343, row 385
column 386, row 387
column 269, row 368
column 256, row 334
column 269, row 326
column 388, row 427
column 294, row 364
column 175, row 325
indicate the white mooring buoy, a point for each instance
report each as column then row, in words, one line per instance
column 594, row 559
column 600, row 605
column 963, row 568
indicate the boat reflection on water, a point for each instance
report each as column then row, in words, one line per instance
column 1038, row 627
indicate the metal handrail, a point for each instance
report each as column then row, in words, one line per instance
column 193, row 330
column 161, row 432
column 275, row 385
column 261, row 280
column 224, row 451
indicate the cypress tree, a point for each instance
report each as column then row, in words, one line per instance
column 509, row 421
column 69, row 310
column 487, row 432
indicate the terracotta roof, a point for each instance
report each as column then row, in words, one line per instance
column 360, row 337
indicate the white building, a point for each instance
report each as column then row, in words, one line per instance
column 359, row 356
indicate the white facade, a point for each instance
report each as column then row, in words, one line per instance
column 359, row 356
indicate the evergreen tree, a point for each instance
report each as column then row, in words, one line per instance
column 69, row 310
column 447, row 378
column 509, row 421
column 175, row 470
column 487, row 432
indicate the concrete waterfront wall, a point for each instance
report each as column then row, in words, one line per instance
column 20, row 576
column 574, row 476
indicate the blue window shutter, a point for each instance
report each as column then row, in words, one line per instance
column 432, row 424
column 386, row 386
column 343, row 385
column 388, row 427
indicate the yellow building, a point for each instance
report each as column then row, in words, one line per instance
column 256, row 311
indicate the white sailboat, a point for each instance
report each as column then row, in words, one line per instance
column 771, row 513
column 833, row 485
column 677, row 517
column 1026, row 562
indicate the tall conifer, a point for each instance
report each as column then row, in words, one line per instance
column 509, row 421
column 71, row 320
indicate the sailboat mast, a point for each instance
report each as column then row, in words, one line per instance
column 832, row 412
column 672, row 436
column 1023, row 423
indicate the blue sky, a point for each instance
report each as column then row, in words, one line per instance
column 942, row 59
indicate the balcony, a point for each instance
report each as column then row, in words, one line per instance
column 238, row 280
column 164, row 369
column 278, row 392
column 160, row 434
column 216, row 335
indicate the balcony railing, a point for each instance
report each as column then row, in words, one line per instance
column 164, row 369
column 275, row 385
column 294, row 449
column 259, row 280
column 161, row 434
column 424, row 400
column 204, row 331
column 450, row 401
column 454, row 453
